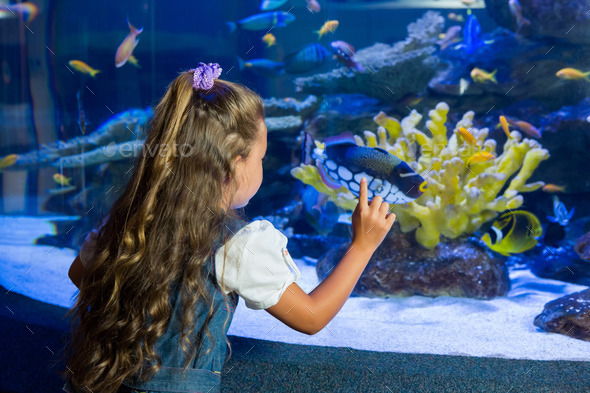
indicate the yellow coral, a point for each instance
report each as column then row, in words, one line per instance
column 460, row 196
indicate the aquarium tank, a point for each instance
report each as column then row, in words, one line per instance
column 471, row 118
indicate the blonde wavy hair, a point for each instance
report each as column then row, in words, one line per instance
column 159, row 231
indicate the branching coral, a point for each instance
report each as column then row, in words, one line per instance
column 461, row 195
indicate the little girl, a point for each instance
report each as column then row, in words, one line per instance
column 160, row 279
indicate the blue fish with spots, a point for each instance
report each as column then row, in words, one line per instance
column 263, row 21
column 344, row 163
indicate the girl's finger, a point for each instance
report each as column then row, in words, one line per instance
column 363, row 193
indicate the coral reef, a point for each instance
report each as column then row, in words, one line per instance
column 275, row 107
column 461, row 196
column 547, row 18
column 391, row 71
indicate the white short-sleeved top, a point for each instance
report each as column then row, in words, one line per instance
column 258, row 266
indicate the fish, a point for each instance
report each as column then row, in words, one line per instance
column 467, row 2
column 344, row 52
column 481, row 76
column 480, row 156
column 27, row 10
column 262, row 21
column 83, row 68
column 513, row 232
column 453, row 33
column 463, row 85
column 313, row 6
column 456, row 17
column 267, row 5
column 504, row 125
column 8, row 160
column 321, row 213
column 516, row 11
column 81, row 114
column 561, row 215
column 342, row 163
column 472, row 35
column 553, row 188
column 328, row 26
column 61, row 179
column 572, row 74
column 525, row 127
column 133, row 60
column 264, row 67
column 411, row 99
column 269, row 40
column 467, row 136
column 125, row 49
column 305, row 59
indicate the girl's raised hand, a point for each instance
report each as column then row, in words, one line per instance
column 370, row 221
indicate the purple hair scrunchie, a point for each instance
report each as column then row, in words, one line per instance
column 204, row 75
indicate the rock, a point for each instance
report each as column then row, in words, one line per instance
column 288, row 106
column 391, row 71
column 283, row 123
column 582, row 247
column 402, row 267
column 569, row 315
column 560, row 263
column 567, row 20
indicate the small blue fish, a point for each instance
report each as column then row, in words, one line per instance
column 472, row 35
column 267, row 5
column 263, row 21
column 263, row 67
column 343, row 164
column 562, row 217
column 306, row 59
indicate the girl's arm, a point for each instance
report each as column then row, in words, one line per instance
column 77, row 271
column 310, row 313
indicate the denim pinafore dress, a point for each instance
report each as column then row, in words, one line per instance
column 204, row 374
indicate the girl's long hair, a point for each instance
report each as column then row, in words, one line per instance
column 161, row 231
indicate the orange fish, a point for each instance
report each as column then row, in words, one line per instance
column 481, row 156
column 329, row 26
column 126, row 48
column 61, row 179
column 553, row 188
column 572, row 73
column 525, row 127
column 8, row 161
column 504, row 124
column 468, row 137
column 83, row 68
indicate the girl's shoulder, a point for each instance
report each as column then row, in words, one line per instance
column 254, row 229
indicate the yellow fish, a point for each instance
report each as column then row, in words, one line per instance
column 480, row 76
column 468, row 137
column 329, row 26
column 8, row 161
column 125, row 50
column 504, row 124
column 553, row 188
column 456, row 17
column 83, row 68
column 269, row 40
column 480, row 156
column 513, row 232
column 572, row 73
column 61, row 179
column 133, row 60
